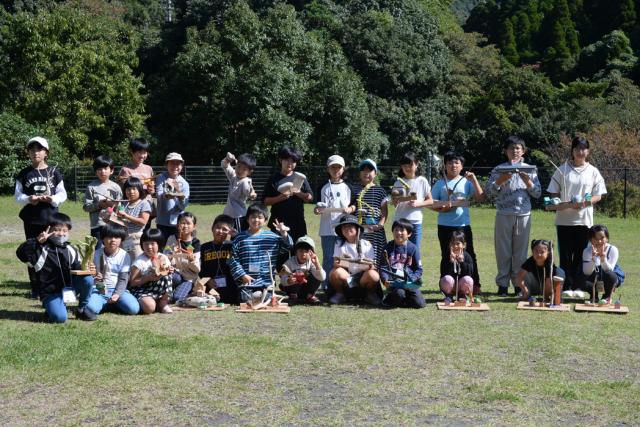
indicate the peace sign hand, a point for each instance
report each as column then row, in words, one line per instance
column 42, row 237
column 281, row 228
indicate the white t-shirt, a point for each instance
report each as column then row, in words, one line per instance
column 421, row 187
column 569, row 181
column 350, row 250
column 335, row 195
column 117, row 263
column 144, row 264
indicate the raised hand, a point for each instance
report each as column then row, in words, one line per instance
column 42, row 237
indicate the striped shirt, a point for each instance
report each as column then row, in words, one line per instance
column 252, row 254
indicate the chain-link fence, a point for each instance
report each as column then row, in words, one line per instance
column 208, row 184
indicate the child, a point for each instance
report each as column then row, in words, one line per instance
column 240, row 188
column 353, row 280
column 52, row 258
column 40, row 189
column 255, row 252
column 457, row 267
column 287, row 207
column 535, row 275
column 101, row 193
column 214, row 256
column 136, row 212
column 369, row 203
column 184, row 251
column 334, row 194
column 301, row 275
column 455, row 187
column 410, row 181
column 513, row 193
column 150, row 280
column 173, row 195
column 600, row 264
column 139, row 151
column 112, row 265
column 404, row 274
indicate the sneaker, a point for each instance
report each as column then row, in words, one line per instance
column 503, row 291
column 293, row 299
column 568, row 294
column 579, row 294
column 337, row 299
column 312, row 299
column 373, row 298
column 166, row 309
column 86, row 314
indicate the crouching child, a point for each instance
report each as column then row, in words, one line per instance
column 302, row 274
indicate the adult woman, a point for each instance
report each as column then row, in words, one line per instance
column 579, row 183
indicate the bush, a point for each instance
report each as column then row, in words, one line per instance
column 612, row 204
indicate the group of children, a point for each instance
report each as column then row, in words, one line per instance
column 143, row 270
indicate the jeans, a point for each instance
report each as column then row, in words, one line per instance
column 54, row 306
column 328, row 242
column 127, row 303
column 416, row 236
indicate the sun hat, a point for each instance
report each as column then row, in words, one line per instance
column 344, row 220
column 173, row 156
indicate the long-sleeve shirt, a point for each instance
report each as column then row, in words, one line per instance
column 31, row 181
column 608, row 264
column 188, row 269
column 403, row 260
column 256, row 255
column 96, row 192
column 114, row 269
column 293, row 265
column 513, row 197
column 238, row 192
column 169, row 209
column 52, row 264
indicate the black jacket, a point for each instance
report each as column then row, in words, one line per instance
column 52, row 264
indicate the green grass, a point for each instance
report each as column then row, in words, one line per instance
column 324, row 365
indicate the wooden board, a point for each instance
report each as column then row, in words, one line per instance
column 189, row 308
column 281, row 308
column 607, row 308
column 482, row 307
column 81, row 272
column 524, row 305
column 454, row 204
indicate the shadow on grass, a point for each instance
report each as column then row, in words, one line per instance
column 12, row 288
column 24, row 316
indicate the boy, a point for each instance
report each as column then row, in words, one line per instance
column 301, row 275
column 403, row 275
column 139, row 151
column 40, row 189
column 334, row 194
column 288, row 206
column 214, row 258
column 173, row 195
column 255, row 252
column 101, row 193
column 454, row 187
column 52, row 258
column 513, row 193
column 240, row 188
column 112, row 265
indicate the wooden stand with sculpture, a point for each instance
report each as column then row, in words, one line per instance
column 266, row 304
column 470, row 303
column 555, row 302
column 200, row 299
column 602, row 306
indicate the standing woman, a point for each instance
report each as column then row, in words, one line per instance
column 512, row 192
column 580, row 183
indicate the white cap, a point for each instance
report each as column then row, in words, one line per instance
column 40, row 141
column 173, row 156
column 368, row 162
column 335, row 160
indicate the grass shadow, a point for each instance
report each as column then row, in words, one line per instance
column 12, row 288
column 25, row 316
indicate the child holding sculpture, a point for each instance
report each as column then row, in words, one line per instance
column 240, row 187
column 101, row 193
column 302, row 274
column 456, row 270
column 536, row 274
column 214, row 256
column 173, row 194
column 600, row 265
column 183, row 249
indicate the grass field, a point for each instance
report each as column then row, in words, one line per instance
column 323, row 365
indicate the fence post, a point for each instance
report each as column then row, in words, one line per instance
column 624, row 208
column 75, row 183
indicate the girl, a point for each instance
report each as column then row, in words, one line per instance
column 136, row 211
column 150, row 279
column 600, row 264
column 40, row 189
column 335, row 194
column 351, row 279
column 458, row 267
column 535, row 274
column 581, row 184
column 369, row 203
column 410, row 181
column 184, row 251
column 453, row 187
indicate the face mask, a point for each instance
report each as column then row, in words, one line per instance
column 59, row 240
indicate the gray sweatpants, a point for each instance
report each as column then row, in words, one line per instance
column 511, row 238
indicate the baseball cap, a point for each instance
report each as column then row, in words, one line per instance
column 40, row 141
column 335, row 160
column 368, row 162
column 305, row 240
column 174, row 156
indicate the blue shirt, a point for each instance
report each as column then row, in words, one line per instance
column 169, row 209
column 252, row 255
column 462, row 189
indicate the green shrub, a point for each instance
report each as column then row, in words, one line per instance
column 612, row 204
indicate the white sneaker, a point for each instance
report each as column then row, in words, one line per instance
column 579, row 294
column 337, row 299
column 568, row 294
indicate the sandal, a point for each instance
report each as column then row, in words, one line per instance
column 166, row 309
